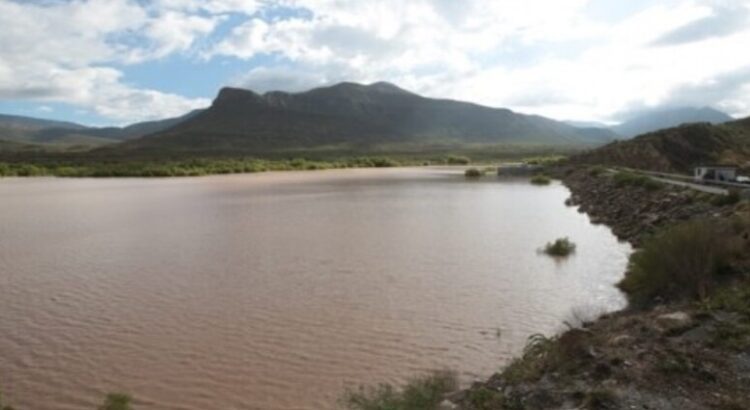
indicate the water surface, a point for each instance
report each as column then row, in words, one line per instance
column 276, row 291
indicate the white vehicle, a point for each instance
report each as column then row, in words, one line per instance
column 743, row 179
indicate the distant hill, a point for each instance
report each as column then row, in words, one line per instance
column 679, row 148
column 352, row 115
column 659, row 119
column 28, row 130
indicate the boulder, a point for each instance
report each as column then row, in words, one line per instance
column 621, row 340
column 447, row 405
column 674, row 321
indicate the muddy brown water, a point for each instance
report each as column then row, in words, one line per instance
column 277, row 291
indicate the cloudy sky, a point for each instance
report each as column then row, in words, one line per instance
column 120, row 61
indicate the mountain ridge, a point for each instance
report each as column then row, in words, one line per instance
column 356, row 115
column 678, row 149
column 657, row 119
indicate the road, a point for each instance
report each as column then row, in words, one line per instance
column 680, row 180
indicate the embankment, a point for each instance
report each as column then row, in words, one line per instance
column 686, row 355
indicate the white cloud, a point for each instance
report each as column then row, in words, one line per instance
column 554, row 58
column 65, row 51
column 536, row 56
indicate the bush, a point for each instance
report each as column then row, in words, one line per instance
column 540, row 180
column 420, row 394
column 627, row 178
column 3, row 406
column 682, row 262
column 560, row 248
column 116, row 401
column 732, row 197
column 456, row 160
column 473, row 173
column 597, row 170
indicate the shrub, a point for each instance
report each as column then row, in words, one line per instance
column 530, row 366
column 473, row 173
column 682, row 262
column 485, row 399
column 600, row 399
column 561, row 247
column 540, row 180
column 116, row 401
column 627, row 178
column 420, row 394
column 732, row 197
column 456, row 160
column 3, row 406
column 597, row 170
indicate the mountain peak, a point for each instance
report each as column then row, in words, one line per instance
column 386, row 87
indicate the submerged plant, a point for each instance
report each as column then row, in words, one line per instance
column 540, row 179
column 473, row 173
column 560, row 248
column 116, row 401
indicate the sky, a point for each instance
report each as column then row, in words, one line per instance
column 101, row 62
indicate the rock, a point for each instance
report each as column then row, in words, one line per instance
column 700, row 334
column 674, row 321
column 621, row 340
column 447, row 405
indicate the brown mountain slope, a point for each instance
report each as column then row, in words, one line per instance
column 678, row 149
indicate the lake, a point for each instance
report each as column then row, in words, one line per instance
column 277, row 291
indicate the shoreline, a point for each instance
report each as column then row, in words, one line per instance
column 651, row 358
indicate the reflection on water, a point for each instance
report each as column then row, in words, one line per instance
column 275, row 291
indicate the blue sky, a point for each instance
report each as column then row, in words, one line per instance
column 119, row 61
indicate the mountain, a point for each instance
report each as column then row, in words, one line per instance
column 28, row 130
column 678, row 149
column 586, row 124
column 659, row 119
column 355, row 116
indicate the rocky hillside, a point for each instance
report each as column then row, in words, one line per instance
column 352, row 115
column 678, row 149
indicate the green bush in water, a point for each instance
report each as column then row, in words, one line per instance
column 540, row 180
column 561, row 247
column 473, row 173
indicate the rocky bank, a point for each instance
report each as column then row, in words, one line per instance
column 686, row 356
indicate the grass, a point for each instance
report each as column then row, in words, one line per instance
column 191, row 167
column 597, row 170
column 567, row 352
column 544, row 160
column 560, row 248
column 113, row 401
column 541, row 180
column 423, row 393
column 473, row 173
column 531, row 365
column 458, row 160
column 627, row 178
column 683, row 262
column 486, row 399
